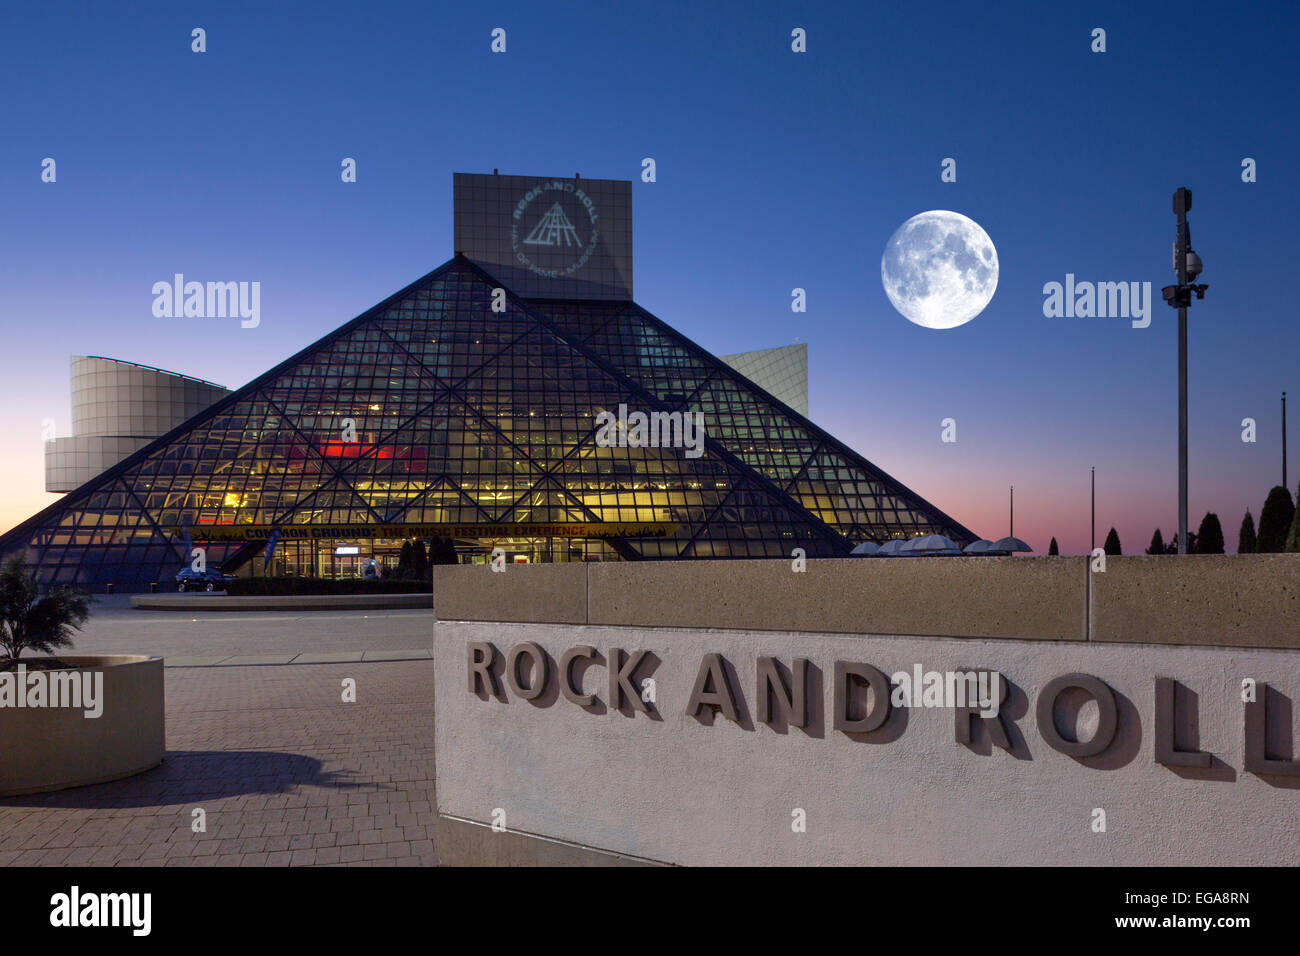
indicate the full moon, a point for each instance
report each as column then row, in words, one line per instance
column 940, row 269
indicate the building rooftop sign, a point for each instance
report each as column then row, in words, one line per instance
column 548, row 238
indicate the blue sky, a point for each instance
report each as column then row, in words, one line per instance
column 775, row 170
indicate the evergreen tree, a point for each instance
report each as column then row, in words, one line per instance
column 1209, row 537
column 1157, row 543
column 1293, row 539
column 1246, row 540
column 1275, row 521
column 1112, row 543
column 1052, row 549
column 404, row 561
column 419, row 560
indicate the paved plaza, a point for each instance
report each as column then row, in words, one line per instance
column 260, row 739
column 187, row 638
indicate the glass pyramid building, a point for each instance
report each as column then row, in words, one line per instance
column 458, row 408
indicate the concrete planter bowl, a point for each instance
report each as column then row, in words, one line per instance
column 54, row 747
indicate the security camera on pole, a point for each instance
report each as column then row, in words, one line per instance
column 1188, row 266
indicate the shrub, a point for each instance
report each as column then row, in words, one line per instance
column 1157, row 543
column 35, row 619
column 296, row 585
column 443, row 551
column 1052, row 549
column 1112, row 543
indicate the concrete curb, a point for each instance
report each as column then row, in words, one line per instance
column 302, row 657
column 286, row 602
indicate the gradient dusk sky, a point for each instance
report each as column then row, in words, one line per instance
column 775, row 170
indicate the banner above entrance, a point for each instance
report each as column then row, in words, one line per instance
column 310, row 532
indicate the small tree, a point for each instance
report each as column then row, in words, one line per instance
column 1052, row 549
column 36, row 620
column 404, row 561
column 1157, row 543
column 1209, row 537
column 1275, row 521
column 419, row 560
column 1112, row 543
column 444, row 551
column 1246, row 540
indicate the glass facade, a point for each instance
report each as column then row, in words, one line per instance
column 844, row 490
column 434, row 411
column 782, row 372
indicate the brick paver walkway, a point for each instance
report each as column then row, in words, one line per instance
column 287, row 773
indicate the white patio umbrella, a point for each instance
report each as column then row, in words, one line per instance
column 981, row 546
column 866, row 548
column 1007, row 545
column 933, row 544
column 892, row 547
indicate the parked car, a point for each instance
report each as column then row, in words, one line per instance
column 187, row 579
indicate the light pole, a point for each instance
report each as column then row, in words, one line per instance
column 1284, row 484
column 1094, row 510
column 1187, row 264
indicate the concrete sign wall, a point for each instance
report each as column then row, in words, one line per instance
column 733, row 712
column 693, row 745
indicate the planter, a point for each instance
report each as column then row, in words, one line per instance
column 54, row 747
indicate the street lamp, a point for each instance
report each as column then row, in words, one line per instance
column 1187, row 264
